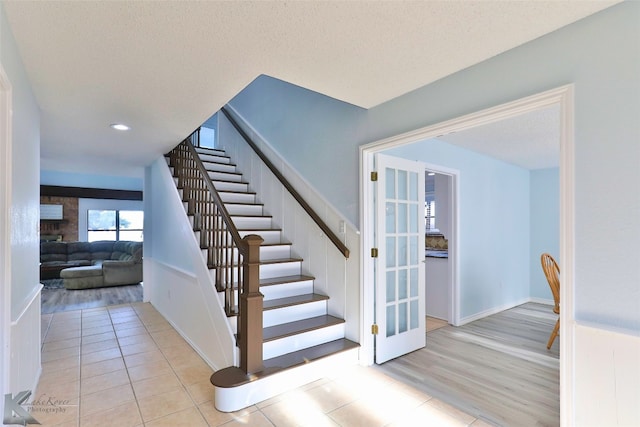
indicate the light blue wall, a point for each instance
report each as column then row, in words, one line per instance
column 25, row 165
column 494, row 224
column 67, row 179
column 600, row 55
column 545, row 226
column 317, row 135
column 163, row 242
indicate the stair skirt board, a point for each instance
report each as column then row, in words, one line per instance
column 235, row 398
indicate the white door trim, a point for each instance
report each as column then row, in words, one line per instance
column 5, row 229
column 564, row 98
column 453, row 300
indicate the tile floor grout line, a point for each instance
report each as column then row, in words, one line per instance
column 126, row 368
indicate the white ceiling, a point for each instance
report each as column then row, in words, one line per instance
column 531, row 140
column 164, row 67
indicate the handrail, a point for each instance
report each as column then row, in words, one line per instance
column 316, row 218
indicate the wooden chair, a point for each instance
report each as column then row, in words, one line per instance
column 552, row 272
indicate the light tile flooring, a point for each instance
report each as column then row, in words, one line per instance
column 126, row 366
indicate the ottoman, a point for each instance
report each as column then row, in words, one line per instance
column 82, row 277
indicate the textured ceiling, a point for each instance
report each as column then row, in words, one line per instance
column 164, row 67
column 531, row 140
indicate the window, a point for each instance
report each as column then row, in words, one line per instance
column 114, row 225
column 430, row 214
column 207, row 137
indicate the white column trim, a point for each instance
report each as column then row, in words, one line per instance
column 6, row 114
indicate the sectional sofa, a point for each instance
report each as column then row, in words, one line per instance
column 84, row 265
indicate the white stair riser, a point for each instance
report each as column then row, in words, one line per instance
column 231, row 186
column 237, row 197
column 252, row 222
column 270, row 237
column 213, row 158
column 213, row 151
column 271, row 252
column 275, row 252
column 297, row 342
column 293, row 313
column 235, row 209
column 224, row 176
column 219, row 167
column 284, row 290
column 281, row 269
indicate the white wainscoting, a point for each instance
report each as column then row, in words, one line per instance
column 178, row 296
column 607, row 377
column 177, row 281
column 25, row 346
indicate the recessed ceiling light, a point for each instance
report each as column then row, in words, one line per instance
column 120, row 126
column 431, row 174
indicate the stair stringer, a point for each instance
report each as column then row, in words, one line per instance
column 334, row 275
column 177, row 280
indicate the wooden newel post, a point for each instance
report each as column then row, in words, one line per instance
column 251, row 309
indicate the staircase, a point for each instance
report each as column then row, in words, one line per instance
column 299, row 337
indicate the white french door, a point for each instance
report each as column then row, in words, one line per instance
column 399, row 267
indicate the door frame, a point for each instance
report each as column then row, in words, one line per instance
column 5, row 227
column 563, row 97
column 453, row 306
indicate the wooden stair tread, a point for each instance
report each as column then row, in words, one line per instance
column 234, row 376
column 243, row 204
column 293, row 300
column 236, row 192
column 284, row 279
column 309, row 354
column 279, row 260
column 214, row 180
column 293, row 328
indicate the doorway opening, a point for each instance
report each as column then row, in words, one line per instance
column 561, row 97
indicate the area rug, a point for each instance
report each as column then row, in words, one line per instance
column 52, row 284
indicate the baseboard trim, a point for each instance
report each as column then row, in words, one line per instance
column 541, row 301
column 494, row 310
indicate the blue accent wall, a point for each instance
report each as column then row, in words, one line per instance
column 316, row 134
column 545, row 226
column 494, row 224
column 600, row 55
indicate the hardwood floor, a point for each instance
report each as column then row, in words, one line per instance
column 497, row 369
column 55, row 300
